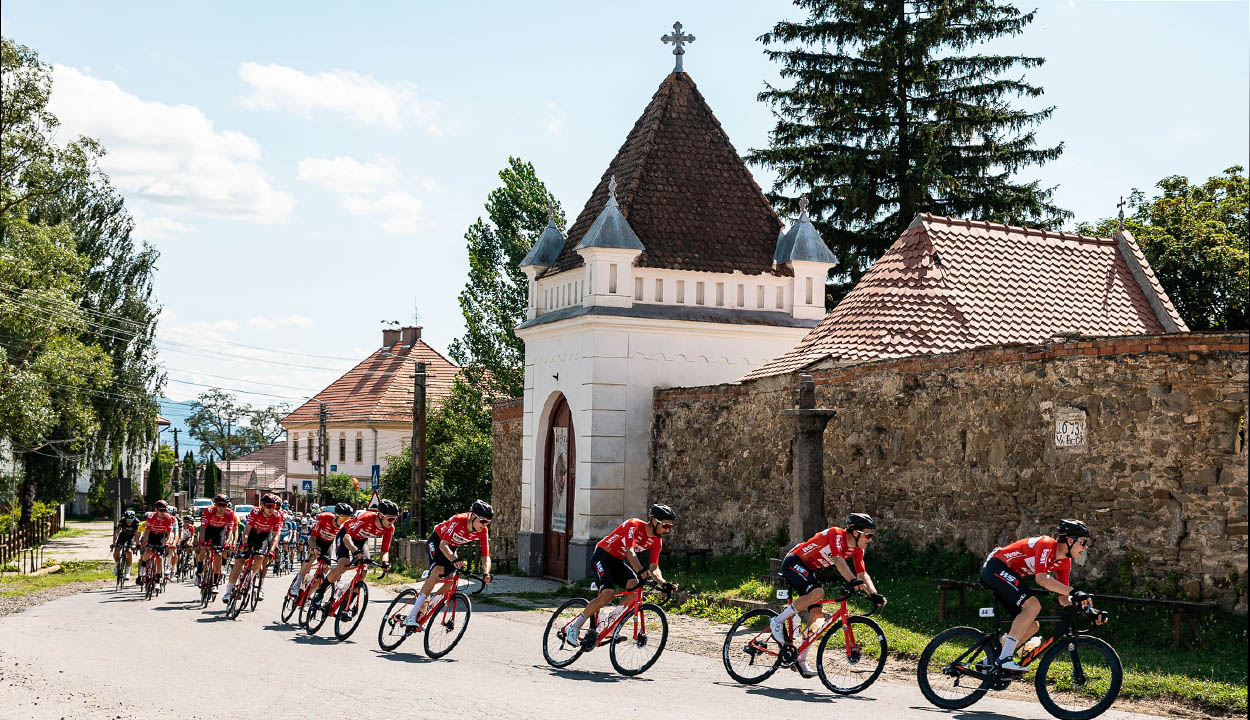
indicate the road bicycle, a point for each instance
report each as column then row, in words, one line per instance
column 1078, row 675
column 124, row 559
column 444, row 619
column 209, row 578
column 348, row 606
column 247, row 592
column 851, row 654
column 292, row 603
column 635, row 634
column 186, row 562
column 151, row 579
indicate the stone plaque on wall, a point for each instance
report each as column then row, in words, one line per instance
column 1070, row 428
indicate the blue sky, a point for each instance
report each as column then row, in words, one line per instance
column 308, row 170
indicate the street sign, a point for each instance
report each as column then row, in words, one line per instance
column 306, row 486
column 374, row 501
column 122, row 484
column 375, row 476
column 334, row 468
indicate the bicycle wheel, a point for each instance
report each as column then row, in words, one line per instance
column 350, row 613
column 750, row 653
column 1079, row 678
column 316, row 616
column 558, row 650
column 254, row 596
column 392, row 631
column 639, row 639
column 237, row 600
column 942, row 674
column 120, row 575
column 289, row 605
column 206, row 591
column 849, row 670
column 447, row 625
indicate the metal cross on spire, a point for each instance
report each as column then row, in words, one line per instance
column 551, row 212
column 1120, row 217
column 678, row 39
column 612, row 186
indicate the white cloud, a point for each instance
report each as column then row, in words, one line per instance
column 293, row 320
column 360, row 97
column 170, row 155
column 347, row 175
column 555, row 118
column 429, row 184
column 400, row 210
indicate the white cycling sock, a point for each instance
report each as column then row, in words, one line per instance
column 785, row 614
column 229, row 587
column 1009, row 647
column 416, row 605
column 577, row 623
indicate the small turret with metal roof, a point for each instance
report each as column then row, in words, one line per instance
column 549, row 244
column 610, row 229
column 803, row 242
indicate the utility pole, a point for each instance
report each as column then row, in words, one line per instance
column 323, row 449
column 227, row 480
column 418, row 449
column 173, row 481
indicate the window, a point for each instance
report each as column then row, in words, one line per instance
column 342, row 449
column 741, row 295
column 638, row 289
column 295, row 448
column 698, row 293
column 809, row 291
column 659, row 290
column 681, row 292
column 781, row 298
column 360, row 448
column 310, row 445
column 720, row 294
column 612, row 279
column 759, row 296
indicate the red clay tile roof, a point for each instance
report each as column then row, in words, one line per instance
column 273, row 454
column 380, row 388
column 948, row 284
column 685, row 192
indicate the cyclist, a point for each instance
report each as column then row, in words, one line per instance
column 127, row 529
column 830, row 547
column 320, row 538
column 263, row 525
column 289, row 528
column 216, row 529
column 352, row 536
column 615, row 564
column 1049, row 560
column 156, row 535
column 447, row 536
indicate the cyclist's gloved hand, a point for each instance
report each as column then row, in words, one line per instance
column 852, row 584
column 877, row 599
column 669, row 587
column 1079, row 598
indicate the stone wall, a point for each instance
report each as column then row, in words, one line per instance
column 505, row 489
column 1142, row 436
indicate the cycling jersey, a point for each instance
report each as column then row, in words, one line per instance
column 632, row 534
column 128, row 527
column 326, row 528
column 289, row 526
column 1035, row 556
column 213, row 519
column 455, row 531
column 366, row 526
column 819, row 551
column 259, row 523
column 160, row 523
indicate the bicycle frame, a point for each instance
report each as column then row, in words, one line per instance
column 447, row 588
column 635, row 600
column 323, row 563
column 357, row 579
column 1063, row 631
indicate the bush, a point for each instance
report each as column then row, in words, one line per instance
column 8, row 520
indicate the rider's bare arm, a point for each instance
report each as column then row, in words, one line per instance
column 486, row 568
column 868, row 584
column 1049, row 582
column 632, row 558
column 654, row 569
column 843, row 569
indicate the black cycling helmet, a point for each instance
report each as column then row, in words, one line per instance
column 221, row 499
column 388, row 507
column 662, row 512
column 344, row 510
column 1072, row 529
column 161, row 505
column 130, row 513
column 482, row 509
column 860, row 521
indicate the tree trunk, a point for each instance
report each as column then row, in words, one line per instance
column 27, row 496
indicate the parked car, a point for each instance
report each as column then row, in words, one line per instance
column 199, row 505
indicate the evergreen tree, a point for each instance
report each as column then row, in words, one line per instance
column 892, row 111
column 159, row 473
column 189, row 470
column 210, row 477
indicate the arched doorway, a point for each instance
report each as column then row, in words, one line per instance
column 561, row 471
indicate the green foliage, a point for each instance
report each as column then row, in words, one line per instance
column 495, row 296
column 159, row 473
column 214, row 422
column 9, row 520
column 1197, row 240
column 341, row 487
column 212, row 477
column 189, row 471
column 890, row 109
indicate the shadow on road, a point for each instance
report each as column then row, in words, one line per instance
column 318, row 640
column 405, row 657
column 973, row 714
column 179, row 605
column 794, row 693
column 591, row 675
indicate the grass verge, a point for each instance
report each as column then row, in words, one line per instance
column 72, row 572
column 69, row 532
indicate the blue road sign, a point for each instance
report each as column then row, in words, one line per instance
column 375, row 476
column 306, row 486
column 334, row 468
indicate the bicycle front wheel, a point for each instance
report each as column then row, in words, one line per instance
column 447, row 625
column 559, row 649
column 289, row 604
column 639, row 639
column 392, row 631
column 317, row 612
column 1079, row 678
column 750, row 653
column 852, row 655
column 347, row 619
column 943, row 670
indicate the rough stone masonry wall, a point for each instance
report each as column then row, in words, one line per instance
column 505, row 487
column 962, row 448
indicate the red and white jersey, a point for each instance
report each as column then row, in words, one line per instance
column 1035, row 556
column 632, row 534
column 366, row 526
column 326, row 528
column 455, row 530
column 819, row 551
column 160, row 523
column 212, row 518
column 259, row 523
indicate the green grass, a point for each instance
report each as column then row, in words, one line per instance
column 71, row 572
column 69, row 532
column 1208, row 671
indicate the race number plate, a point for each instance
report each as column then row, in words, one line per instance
column 987, row 612
column 783, row 594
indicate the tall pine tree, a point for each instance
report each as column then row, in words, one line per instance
column 891, row 111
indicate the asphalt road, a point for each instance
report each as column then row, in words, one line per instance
column 102, row 654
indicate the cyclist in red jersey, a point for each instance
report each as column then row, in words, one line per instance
column 447, row 536
column 320, row 538
column 615, row 564
column 352, row 536
column 217, row 525
column 827, row 548
column 1049, row 560
column 263, row 525
column 156, row 534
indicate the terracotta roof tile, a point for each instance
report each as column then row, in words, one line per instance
column 951, row 284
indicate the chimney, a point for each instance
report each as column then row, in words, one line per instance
column 389, row 337
column 410, row 335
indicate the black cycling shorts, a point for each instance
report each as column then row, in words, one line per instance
column 156, row 540
column 341, row 551
column 215, row 536
column 255, row 543
column 798, row 575
column 1006, row 586
column 436, row 556
column 323, row 546
column 124, row 539
column 610, row 572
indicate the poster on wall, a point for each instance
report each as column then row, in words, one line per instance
column 560, row 480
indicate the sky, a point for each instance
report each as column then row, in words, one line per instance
column 308, row 170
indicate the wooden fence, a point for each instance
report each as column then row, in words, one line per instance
column 16, row 546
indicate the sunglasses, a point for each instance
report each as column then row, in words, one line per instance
column 666, row 525
column 162, row 509
column 391, row 518
column 1086, row 542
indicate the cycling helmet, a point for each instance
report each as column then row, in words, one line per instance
column 482, row 509
column 161, row 505
column 221, row 499
column 270, row 499
column 343, row 510
column 130, row 513
column 1072, row 529
column 860, row 521
column 662, row 512
column 388, row 507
